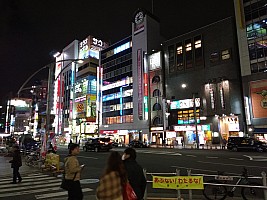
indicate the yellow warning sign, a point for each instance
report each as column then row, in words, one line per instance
column 178, row 182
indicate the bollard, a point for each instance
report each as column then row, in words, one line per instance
column 189, row 191
column 264, row 183
column 178, row 191
column 145, row 195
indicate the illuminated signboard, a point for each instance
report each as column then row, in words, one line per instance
column 155, row 61
column 185, row 103
column 122, row 47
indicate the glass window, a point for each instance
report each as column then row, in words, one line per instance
column 156, row 93
column 199, row 60
column 179, row 57
column 171, row 59
column 156, row 107
column 188, row 54
column 262, row 66
column 214, row 57
column 226, row 54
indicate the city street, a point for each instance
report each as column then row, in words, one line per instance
column 38, row 185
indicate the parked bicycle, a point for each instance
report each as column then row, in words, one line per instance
column 220, row 192
column 32, row 159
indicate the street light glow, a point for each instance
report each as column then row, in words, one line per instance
column 183, row 85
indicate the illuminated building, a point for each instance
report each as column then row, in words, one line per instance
column 251, row 20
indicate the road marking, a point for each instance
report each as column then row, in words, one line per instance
column 250, row 158
column 212, row 157
column 236, row 159
column 87, row 157
column 191, row 156
column 56, row 194
column 25, row 177
column 252, row 166
column 4, row 184
column 32, row 186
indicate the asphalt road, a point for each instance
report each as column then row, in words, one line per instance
column 168, row 160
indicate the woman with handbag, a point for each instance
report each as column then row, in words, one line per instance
column 112, row 183
column 73, row 173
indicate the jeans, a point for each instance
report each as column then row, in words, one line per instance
column 75, row 193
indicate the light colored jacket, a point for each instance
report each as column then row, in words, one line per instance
column 72, row 166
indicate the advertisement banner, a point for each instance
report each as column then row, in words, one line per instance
column 178, row 182
column 258, row 94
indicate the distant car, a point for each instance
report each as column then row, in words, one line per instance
column 245, row 143
column 137, row 144
column 98, row 144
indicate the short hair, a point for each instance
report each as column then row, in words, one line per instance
column 131, row 152
column 72, row 147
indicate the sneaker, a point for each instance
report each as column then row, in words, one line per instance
column 20, row 180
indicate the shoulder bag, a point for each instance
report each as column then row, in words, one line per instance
column 67, row 184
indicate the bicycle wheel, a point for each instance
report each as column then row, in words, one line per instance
column 252, row 193
column 215, row 191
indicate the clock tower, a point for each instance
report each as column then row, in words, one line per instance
column 145, row 39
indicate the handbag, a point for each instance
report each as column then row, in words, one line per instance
column 67, row 184
column 128, row 192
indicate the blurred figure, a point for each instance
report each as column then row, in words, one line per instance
column 112, row 182
column 135, row 172
column 51, row 148
column 16, row 164
column 73, row 172
column 70, row 144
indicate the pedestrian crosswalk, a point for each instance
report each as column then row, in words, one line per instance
column 35, row 186
column 168, row 153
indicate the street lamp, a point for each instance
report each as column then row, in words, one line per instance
column 195, row 114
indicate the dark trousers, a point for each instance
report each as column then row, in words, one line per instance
column 75, row 193
column 16, row 174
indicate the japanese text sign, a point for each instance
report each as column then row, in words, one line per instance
column 178, row 182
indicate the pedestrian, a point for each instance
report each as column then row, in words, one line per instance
column 16, row 164
column 224, row 142
column 135, row 172
column 51, row 149
column 113, row 180
column 73, row 172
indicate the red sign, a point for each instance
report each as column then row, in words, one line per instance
column 108, row 132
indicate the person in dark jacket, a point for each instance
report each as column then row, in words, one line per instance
column 135, row 172
column 16, row 164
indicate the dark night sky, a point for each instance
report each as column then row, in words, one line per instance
column 31, row 29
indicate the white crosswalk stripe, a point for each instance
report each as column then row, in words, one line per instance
column 259, row 158
column 40, row 185
column 168, row 153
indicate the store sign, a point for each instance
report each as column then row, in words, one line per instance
column 185, row 103
column 108, row 132
column 188, row 128
column 140, row 84
column 155, row 61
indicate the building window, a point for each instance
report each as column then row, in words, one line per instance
column 156, row 107
column 156, row 79
column 171, row 59
column 179, row 57
column 226, row 54
column 157, row 120
column 214, row 58
column 156, row 93
column 199, row 60
column 188, row 54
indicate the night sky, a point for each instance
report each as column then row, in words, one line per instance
column 30, row 30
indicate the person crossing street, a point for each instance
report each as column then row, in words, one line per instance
column 16, row 163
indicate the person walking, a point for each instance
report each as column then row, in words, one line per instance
column 135, row 172
column 112, row 182
column 16, row 164
column 73, row 172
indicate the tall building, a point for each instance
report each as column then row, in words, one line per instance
column 124, row 86
column 251, row 20
column 203, row 85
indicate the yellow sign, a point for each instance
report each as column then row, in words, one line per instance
column 178, row 182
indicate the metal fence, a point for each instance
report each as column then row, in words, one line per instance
column 190, row 192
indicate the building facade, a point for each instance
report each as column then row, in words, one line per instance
column 251, row 20
column 203, row 85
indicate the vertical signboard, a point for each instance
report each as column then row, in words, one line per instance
column 258, row 93
column 140, row 84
